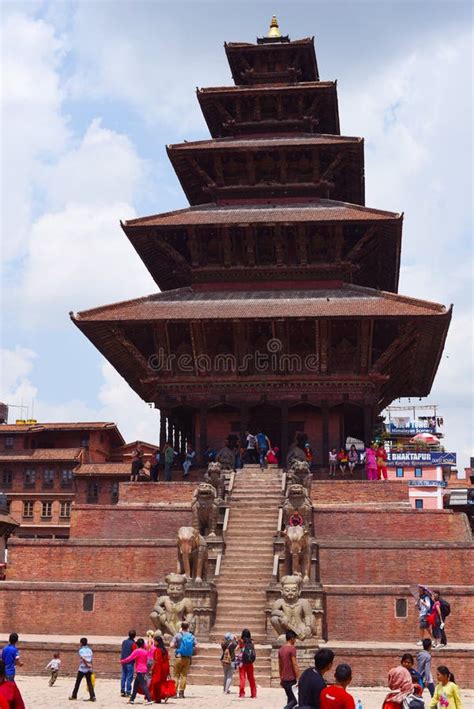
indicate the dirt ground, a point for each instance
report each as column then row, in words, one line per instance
column 37, row 695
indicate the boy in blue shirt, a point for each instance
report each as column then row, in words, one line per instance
column 11, row 657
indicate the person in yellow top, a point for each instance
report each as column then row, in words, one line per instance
column 446, row 694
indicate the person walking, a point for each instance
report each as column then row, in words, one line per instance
column 263, row 446
column 185, row 645
column 381, row 462
column 423, row 665
column 250, row 448
column 288, row 668
column 155, row 466
column 424, row 607
column 400, row 684
column 446, row 695
column 246, row 659
column 10, row 696
column 312, row 682
column 335, row 696
column 85, row 670
column 11, row 657
column 128, row 646
column 229, row 646
column 371, row 462
column 54, row 666
column 160, row 672
column 140, row 657
column 189, row 460
column 437, row 618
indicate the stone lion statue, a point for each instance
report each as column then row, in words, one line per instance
column 215, row 477
column 295, row 452
column 297, row 502
column 205, row 509
column 300, row 472
column 226, row 458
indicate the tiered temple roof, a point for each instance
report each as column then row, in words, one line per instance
column 278, row 244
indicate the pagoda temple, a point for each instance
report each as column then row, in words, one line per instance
column 278, row 305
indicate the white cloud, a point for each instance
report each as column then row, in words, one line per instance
column 32, row 127
column 116, row 401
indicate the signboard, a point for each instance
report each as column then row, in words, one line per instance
column 408, row 430
column 420, row 458
column 427, row 483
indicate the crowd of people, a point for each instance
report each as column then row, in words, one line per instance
column 158, row 673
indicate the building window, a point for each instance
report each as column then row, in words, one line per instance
column 48, row 477
column 7, row 478
column 8, row 441
column 92, row 491
column 418, row 472
column 401, row 608
column 30, row 477
column 47, row 510
column 399, row 473
column 88, row 602
column 65, row 511
column 66, row 478
column 28, row 509
column 418, row 504
column 115, row 492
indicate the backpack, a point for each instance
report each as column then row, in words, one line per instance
column 226, row 658
column 445, row 608
column 186, row 646
column 413, row 702
column 248, row 654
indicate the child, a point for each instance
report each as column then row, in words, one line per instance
column 446, row 694
column 342, row 458
column 423, row 665
column 335, row 696
column 54, row 665
column 332, row 462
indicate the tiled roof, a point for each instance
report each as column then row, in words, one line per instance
column 103, row 469
column 42, row 454
column 264, row 143
column 247, row 45
column 68, row 426
column 318, row 210
column 186, row 304
column 281, row 88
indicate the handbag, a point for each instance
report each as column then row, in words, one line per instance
column 169, row 688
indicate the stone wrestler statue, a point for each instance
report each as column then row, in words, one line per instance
column 173, row 609
column 292, row 612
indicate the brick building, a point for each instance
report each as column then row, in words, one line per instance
column 45, row 467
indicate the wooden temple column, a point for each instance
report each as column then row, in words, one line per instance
column 244, row 422
column 202, row 432
column 368, row 422
column 325, row 431
column 162, row 428
column 284, row 434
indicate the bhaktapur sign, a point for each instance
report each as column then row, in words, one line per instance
column 423, row 458
column 427, row 483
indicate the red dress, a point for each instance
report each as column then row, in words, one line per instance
column 159, row 676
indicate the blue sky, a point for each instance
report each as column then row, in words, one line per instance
column 93, row 91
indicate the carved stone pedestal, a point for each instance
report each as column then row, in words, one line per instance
column 203, row 598
column 304, row 654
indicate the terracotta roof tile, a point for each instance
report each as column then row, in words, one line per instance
column 186, row 304
column 318, row 210
column 42, row 454
column 257, row 89
column 103, row 469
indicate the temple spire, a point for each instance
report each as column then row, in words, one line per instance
column 274, row 31
column 274, row 34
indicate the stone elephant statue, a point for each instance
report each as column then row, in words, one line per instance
column 298, row 551
column 192, row 554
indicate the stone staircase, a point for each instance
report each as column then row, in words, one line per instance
column 245, row 573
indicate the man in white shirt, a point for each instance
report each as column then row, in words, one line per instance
column 85, row 670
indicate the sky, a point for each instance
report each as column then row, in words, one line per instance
column 93, row 91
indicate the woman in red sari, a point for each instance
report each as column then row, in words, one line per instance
column 160, row 673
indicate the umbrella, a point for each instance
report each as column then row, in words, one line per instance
column 415, row 589
column 425, row 438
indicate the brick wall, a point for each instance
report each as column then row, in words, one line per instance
column 101, row 562
column 53, row 608
column 382, row 523
column 137, row 522
column 368, row 613
column 347, row 491
column 178, row 492
column 349, row 562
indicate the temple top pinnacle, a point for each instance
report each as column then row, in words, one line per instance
column 274, row 34
column 274, row 30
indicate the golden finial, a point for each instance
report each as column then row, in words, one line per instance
column 274, row 31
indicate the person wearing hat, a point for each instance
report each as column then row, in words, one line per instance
column 228, row 646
